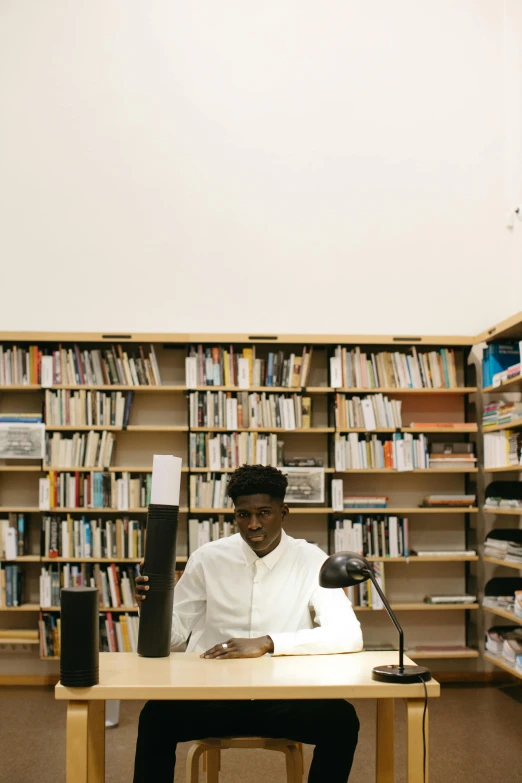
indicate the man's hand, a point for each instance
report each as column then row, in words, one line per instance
column 141, row 585
column 241, row 648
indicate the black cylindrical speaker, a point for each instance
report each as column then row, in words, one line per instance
column 80, row 644
column 160, row 565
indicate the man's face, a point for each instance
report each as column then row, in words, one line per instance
column 260, row 519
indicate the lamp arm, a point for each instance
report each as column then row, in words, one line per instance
column 392, row 616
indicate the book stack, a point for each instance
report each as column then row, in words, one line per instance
column 505, row 641
column 372, row 536
column 110, row 367
column 500, row 362
column 498, row 413
column 209, row 492
column 442, row 600
column 502, row 449
column 225, row 451
column 369, row 413
column 403, row 452
column 82, row 450
column 504, row 544
column 13, row 538
column 87, row 408
column 97, row 538
column 20, row 418
column 216, row 366
column 357, row 370
column 365, row 501
column 94, row 490
column 442, row 501
column 222, row 409
column 116, row 586
column 20, row 366
column 504, row 593
column 11, row 585
column 203, row 531
column 452, row 455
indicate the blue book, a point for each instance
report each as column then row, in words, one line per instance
column 270, row 370
column 21, row 534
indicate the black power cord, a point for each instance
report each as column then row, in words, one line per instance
column 424, row 730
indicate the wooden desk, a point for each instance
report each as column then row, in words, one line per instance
column 187, row 676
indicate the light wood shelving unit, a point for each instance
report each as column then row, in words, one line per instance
column 159, row 424
column 510, row 329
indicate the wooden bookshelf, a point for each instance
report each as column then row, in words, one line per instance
column 506, row 564
column 506, row 469
column 441, row 654
column 503, row 613
column 512, row 425
column 503, row 512
column 159, row 423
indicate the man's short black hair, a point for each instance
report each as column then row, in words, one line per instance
column 257, row 480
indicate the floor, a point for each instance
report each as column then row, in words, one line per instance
column 475, row 735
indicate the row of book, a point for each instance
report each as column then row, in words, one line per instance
column 13, row 536
column 81, row 450
column 364, row 594
column 502, row 449
column 223, row 451
column 221, row 409
column 369, row 413
column 499, row 412
column 202, row 531
column 500, row 362
column 134, row 366
column 373, row 536
column 116, row 585
column 342, row 502
column 401, row 452
column 94, row 490
column 504, row 544
column 118, row 633
column 96, row 538
column 19, row 366
column 215, row 366
column 355, row 369
column 209, row 491
column 87, row 408
column 11, row 585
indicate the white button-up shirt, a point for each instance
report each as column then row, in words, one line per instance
column 228, row 591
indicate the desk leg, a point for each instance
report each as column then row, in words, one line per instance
column 85, row 751
column 385, row 737
column 415, row 710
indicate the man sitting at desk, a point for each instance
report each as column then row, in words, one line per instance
column 242, row 597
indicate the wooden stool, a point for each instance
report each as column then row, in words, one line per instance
column 211, row 748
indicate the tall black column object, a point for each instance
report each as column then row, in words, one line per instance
column 80, row 644
column 160, row 558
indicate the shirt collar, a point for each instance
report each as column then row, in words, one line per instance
column 269, row 560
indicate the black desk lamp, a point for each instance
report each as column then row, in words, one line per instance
column 346, row 569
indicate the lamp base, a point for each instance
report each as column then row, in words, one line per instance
column 404, row 675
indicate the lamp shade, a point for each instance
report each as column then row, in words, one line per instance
column 344, row 569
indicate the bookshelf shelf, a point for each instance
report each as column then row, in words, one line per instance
column 297, row 431
column 293, row 510
column 116, row 469
column 425, row 559
column 84, row 510
column 120, row 387
column 181, row 559
column 20, row 387
column 499, row 561
column 503, row 511
column 420, row 607
column 128, row 609
column 503, row 613
column 441, row 654
column 17, row 640
column 393, row 471
column 514, row 384
column 19, row 509
column 406, row 510
column 394, row 390
column 231, row 470
column 22, row 559
column 49, row 657
column 22, row 608
column 106, row 428
column 513, row 425
column 500, row 663
column 505, row 469
column 419, row 430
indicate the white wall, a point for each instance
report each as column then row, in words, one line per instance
column 289, row 165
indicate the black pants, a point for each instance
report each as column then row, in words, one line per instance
column 331, row 725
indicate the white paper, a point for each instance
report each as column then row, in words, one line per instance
column 191, row 372
column 166, row 480
column 47, row 372
column 44, row 494
column 336, row 378
column 10, row 543
column 337, row 494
